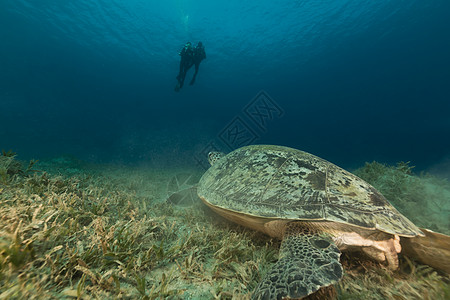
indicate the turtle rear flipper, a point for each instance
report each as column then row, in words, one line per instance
column 309, row 260
column 433, row 249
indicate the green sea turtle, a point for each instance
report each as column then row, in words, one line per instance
column 317, row 208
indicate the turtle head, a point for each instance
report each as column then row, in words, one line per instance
column 214, row 156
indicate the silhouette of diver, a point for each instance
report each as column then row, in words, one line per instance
column 199, row 55
column 189, row 57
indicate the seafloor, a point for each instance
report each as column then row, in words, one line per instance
column 69, row 230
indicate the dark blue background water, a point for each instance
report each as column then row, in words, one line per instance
column 357, row 80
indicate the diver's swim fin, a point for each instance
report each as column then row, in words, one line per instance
column 177, row 87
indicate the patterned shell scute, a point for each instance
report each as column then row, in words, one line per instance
column 285, row 183
column 236, row 181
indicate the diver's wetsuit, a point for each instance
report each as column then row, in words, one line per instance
column 199, row 55
column 186, row 62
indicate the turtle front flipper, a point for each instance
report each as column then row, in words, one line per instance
column 308, row 261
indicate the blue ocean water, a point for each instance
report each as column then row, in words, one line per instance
column 350, row 81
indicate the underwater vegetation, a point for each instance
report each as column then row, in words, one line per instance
column 425, row 199
column 108, row 232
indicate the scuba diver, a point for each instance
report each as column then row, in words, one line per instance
column 199, row 55
column 189, row 57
